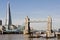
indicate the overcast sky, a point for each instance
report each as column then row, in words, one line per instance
column 35, row 9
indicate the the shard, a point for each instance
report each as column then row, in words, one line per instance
column 8, row 17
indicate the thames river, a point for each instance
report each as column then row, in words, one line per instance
column 21, row 37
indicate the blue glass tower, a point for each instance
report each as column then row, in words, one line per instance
column 8, row 17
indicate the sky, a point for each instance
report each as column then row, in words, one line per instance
column 34, row 9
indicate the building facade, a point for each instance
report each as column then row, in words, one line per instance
column 0, row 22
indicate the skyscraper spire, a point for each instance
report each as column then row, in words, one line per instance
column 8, row 16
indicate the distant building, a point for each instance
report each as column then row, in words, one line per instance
column 58, row 30
column 0, row 22
column 0, row 25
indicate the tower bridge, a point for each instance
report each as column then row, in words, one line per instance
column 28, row 21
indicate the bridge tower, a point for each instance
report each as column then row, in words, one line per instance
column 49, row 26
column 27, row 26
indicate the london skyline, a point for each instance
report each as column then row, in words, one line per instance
column 32, row 8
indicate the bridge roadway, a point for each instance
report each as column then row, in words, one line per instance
column 57, row 34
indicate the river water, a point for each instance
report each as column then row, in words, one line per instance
column 21, row 37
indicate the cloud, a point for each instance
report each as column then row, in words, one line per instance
column 18, row 21
column 56, row 23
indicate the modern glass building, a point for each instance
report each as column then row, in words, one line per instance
column 0, row 22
